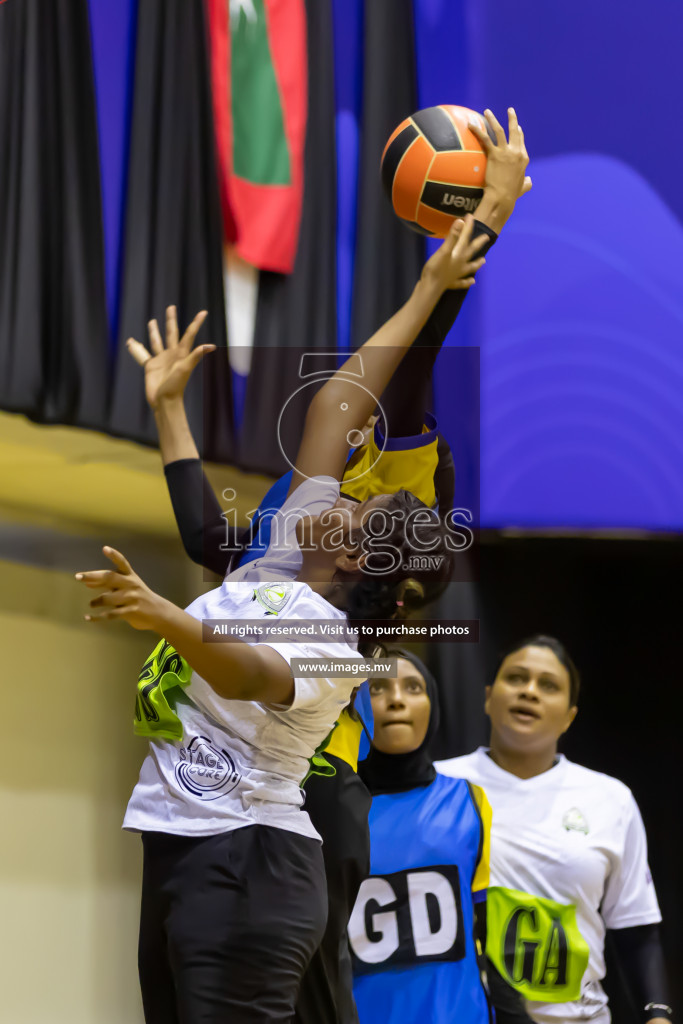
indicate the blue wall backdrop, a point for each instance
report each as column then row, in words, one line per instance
column 580, row 309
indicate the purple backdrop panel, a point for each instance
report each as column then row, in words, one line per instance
column 348, row 84
column 578, row 312
column 446, row 74
column 582, row 366
column 112, row 27
column 603, row 78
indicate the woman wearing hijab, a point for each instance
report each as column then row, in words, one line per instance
column 412, row 931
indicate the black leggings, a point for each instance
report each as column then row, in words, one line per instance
column 339, row 808
column 228, row 924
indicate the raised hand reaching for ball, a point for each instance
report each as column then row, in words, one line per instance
column 506, row 163
column 456, row 261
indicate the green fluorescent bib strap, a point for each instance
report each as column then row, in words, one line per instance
column 318, row 764
column 536, row 945
column 164, row 671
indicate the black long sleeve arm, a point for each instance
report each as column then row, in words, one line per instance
column 641, row 957
column 205, row 533
column 407, row 396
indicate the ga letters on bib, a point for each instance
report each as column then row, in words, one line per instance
column 536, row 945
column 412, row 928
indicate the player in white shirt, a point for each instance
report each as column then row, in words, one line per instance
column 234, row 897
column 568, row 852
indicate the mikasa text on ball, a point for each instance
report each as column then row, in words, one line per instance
column 433, row 168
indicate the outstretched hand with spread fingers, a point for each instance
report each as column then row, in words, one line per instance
column 123, row 595
column 169, row 366
column 506, row 158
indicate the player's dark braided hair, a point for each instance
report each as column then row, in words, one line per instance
column 378, row 599
column 390, row 599
column 407, row 566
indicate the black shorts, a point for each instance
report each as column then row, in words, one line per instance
column 339, row 808
column 228, row 924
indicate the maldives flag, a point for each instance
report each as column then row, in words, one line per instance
column 259, row 85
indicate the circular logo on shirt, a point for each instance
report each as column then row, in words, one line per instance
column 205, row 771
column 574, row 821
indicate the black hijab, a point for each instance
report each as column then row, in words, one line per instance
column 396, row 773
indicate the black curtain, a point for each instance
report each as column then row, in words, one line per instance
column 614, row 604
column 173, row 231
column 460, row 671
column 53, row 323
column 297, row 312
column 389, row 256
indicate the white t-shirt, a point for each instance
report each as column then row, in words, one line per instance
column 568, row 861
column 241, row 762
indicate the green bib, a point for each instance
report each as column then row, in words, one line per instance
column 536, row 945
column 164, row 671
